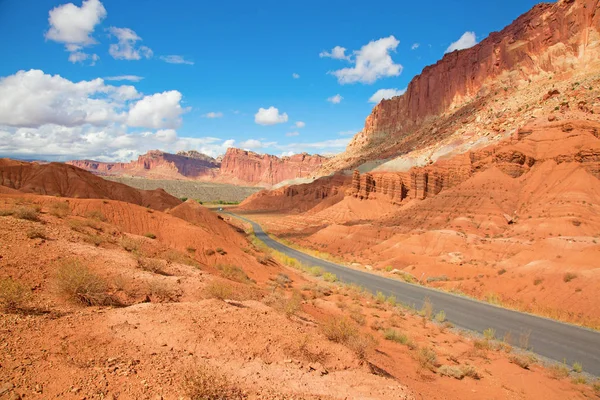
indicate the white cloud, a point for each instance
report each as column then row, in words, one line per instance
column 213, row 114
column 287, row 154
column 415, row 46
column 332, row 146
column 175, row 59
column 372, row 62
column 109, row 143
column 338, row 53
column 126, row 49
column 269, row 116
column 295, row 76
column 299, row 124
column 347, row 133
column 251, row 144
column 132, row 78
column 73, row 26
column 467, row 40
column 385, row 94
column 337, row 99
column 291, row 134
column 160, row 110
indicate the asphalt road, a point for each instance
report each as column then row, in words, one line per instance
column 554, row 340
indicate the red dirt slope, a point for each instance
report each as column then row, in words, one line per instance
column 57, row 179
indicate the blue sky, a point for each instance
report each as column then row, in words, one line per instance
column 193, row 60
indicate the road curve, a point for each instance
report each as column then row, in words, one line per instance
column 555, row 340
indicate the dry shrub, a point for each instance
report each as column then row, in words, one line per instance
column 28, row 213
column 59, row 209
column 96, row 240
column 161, row 292
column 305, row 351
column 377, row 325
column 219, row 290
column 209, row 252
column 205, row 383
column 427, row 358
column 35, row 233
column 152, row 265
column 95, row 214
column 559, row 371
column 288, row 305
column 233, row 273
column 264, row 259
column 129, row 244
column 6, row 212
column 459, row 372
column 569, row 276
column 362, row 345
column 357, row 316
column 399, row 337
column 521, row 361
column 150, row 235
column 13, row 295
column 79, row 284
column 79, row 225
column 180, row 258
column 339, row 329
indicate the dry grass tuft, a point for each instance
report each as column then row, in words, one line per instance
column 36, row 233
column 27, row 213
column 129, row 244
column 13, row 295
column 161, row 292
column 219, row 290
column 427, row 358
column 288, row 305
column 559, row 371
column 339, row 329
column 153, row 265
column 60, row 209
column 398, row 337
column 205, row 383
column 520, row 360
column 234, row 273
column 79, row 284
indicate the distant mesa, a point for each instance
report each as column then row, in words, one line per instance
column 236, row 166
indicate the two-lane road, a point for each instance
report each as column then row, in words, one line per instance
column 548, row 338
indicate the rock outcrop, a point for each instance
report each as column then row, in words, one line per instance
column 158, row 164
column 552, row 38
column 265, row 169
column 236, row 166
column 558, row 142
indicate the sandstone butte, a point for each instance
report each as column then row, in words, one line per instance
column 236, row 166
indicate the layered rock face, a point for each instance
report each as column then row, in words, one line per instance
column 157, row 164
column 267, row 170
column 558, row 142
column 237, row 166
column 549, row 39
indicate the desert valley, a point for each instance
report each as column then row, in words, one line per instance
column 364, row 274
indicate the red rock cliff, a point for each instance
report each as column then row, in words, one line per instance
column 263, row 169
column 157, row 164
column 550, row 38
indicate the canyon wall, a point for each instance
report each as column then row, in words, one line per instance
column 551, row 38
column 236, row 166
column 265, row 169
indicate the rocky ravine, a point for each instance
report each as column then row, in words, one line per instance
column 236, row 166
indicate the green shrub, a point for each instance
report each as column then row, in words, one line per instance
column 316, row 271
column 329, row 277
column 395, row 336
column 577, row 367
column 440, row 316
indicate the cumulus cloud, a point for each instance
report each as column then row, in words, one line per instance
column 295, row 76
column 73, row 26
column 372, row 62
column 175, row 59
column 468, row 39
column 270, row 116
column 125, row 48
column 299, row 124
column 385, row 94
column 160, row 110
column 213, row 114
column 337, row 99
column 338, row 53
column 415, row 46
column 291, row 134
column 132, row 78
column 33, row 98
